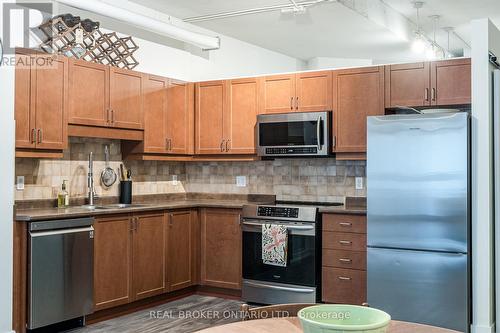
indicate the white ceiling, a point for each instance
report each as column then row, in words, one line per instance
column 330, row 29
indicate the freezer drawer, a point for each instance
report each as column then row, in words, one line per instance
column 423, row 287
column 60, row 274
column 418, row 178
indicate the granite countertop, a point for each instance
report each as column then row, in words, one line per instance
column 37, row 211
column 38, row 214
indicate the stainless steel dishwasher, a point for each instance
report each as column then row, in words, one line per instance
column 61, row 257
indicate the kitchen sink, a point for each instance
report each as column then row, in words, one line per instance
column 112, row 206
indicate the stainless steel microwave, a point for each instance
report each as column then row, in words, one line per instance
column 294, row 134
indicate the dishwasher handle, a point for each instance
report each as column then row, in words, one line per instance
column 61, row 231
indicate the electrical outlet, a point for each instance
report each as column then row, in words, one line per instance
column 241, row 181
column 175, row 182
column 359, row 183
column 20, row 183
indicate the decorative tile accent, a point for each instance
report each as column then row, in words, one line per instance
column 322, row 179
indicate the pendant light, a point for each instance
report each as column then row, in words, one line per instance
column 449, row 54
column 418, row 45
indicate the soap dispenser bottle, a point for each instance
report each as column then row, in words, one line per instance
column 63, row 196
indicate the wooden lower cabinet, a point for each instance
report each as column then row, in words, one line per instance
column 112, row 261
column 221, row 248
column 148, row 255
column 344, row 259
column 182, row 246
column 345, row 286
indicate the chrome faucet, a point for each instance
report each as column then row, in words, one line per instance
column 90, row 180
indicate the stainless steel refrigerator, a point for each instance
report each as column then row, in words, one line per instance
column 418, row 218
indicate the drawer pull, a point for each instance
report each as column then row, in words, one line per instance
column 344, row 278
column 345, row 224
column 345, row 260
column 343, row 242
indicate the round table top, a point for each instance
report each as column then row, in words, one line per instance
column 292, row 325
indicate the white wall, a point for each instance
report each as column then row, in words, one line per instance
column 326, row 62
column 166, row 57
column 485, row 37
column 6, row 192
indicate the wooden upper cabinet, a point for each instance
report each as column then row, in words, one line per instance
column 313, row 91
column 50, row 102
column 210, row 105
column 112, row 261
column 358, row 94
column 451, row 82
column 88, row 93
column 24, row 113
column 125, row 98
column 241, row 115
column 407, row 85
column 180, row 251
column 155, row 117
column 278, row 93
column 221, row 248
column 180, row 118
column 148, row 255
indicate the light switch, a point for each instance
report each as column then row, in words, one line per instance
column 359, row 183
column 20, row 183
column 175, row 182
column 241, row 181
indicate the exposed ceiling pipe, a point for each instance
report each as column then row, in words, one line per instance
column 144, row 22
column 294, row 6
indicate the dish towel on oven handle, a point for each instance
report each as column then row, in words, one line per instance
column 274, row 244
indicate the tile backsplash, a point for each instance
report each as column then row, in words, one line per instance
column 324, row 179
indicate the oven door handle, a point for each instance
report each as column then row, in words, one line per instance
column 266, row 286
column 291, row 227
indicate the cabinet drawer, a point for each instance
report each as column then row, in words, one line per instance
column 344, row 259
column 344, row 241
column 346, row 286
column 344, row 223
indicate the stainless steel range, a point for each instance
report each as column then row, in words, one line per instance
column 299, row 280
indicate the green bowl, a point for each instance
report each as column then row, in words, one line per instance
column 342, row 318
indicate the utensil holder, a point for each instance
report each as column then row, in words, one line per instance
column 126, row 192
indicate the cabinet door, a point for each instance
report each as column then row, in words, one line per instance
column 180, row 118
column 407, row 85
column 112, row 261
column 125, row 97
column 314, row 91
column 344, row 286
column 180, row 258
column 50, row 102
column 278, row 94
column 221, row 248
column 149, row 255
column 24, row 113
column 451, row 82
column 241, row 115
column 88, row 93
column 358, row 94
column 155, row 104
column 210, row 105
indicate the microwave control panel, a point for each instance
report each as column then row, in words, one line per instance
column 292, row 150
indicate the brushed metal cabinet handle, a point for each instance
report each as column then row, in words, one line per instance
column 227, row 145
column 112, row 116
column 343, row 242
column 345, row 260
column 426, row 94
column 344, row 278
column 107, row 116
column 291, row 103
column 166, row 143
column 222, row 146
column 434, row 94
column 297, row 103
column 345, row 224
column 169, row 144
column 40, row 133
column 33, row 135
